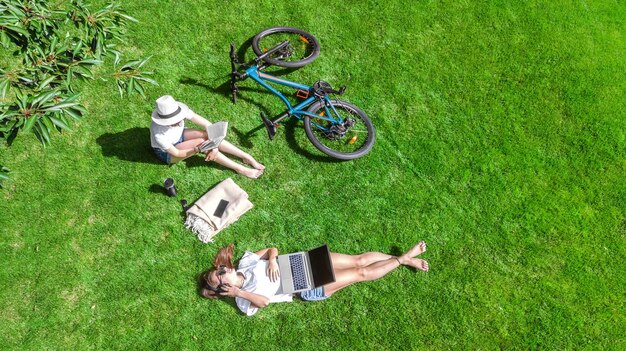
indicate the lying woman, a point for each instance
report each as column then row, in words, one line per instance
column 255, row 282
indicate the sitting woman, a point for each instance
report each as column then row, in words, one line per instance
column 172, row 142
column 255, row 282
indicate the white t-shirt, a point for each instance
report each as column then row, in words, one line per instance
column 254, row 270
column 164, row 137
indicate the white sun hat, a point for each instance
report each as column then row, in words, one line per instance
column 169, row 111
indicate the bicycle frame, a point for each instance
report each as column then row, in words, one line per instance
column 298, row 111
column 323, row 123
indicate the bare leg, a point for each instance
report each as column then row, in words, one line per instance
column 353, row 269
column 194, row 137
column 346, row 277
column 416, row 250
column 189, row 134
column 229, row 148
column 241, row 169
column 343, row 261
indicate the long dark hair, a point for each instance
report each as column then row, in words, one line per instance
column 224, row 257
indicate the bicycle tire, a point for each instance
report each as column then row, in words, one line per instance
column 338, row 147
column 309, row 48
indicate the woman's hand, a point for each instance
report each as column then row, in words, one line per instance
column 257, row 300
column 230, row 290
column 272, row 269
column 211, row 155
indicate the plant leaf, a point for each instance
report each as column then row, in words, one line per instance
column 130, row 86
column 149, row 80
column 118, row 57
column 18, row 30
column 44, row 97
column 127, row 17
column 130, row 64
column 144, row 61
column 120, row 87
column 4, row 87
column 45, row 82
column 59, row 123
column 42, row 133
column 29, row 123
column 77, row 49
column 139, row 89
column 83, row 72
column 60, row 106
column 90, row 62
column 68, row 78
column 72, row 113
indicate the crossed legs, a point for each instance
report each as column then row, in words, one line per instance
column 350, row 269
column 194, row 137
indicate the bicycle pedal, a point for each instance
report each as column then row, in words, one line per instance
column 269, row 125
column 302, row 94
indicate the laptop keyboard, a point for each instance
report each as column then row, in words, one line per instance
column 299, row 273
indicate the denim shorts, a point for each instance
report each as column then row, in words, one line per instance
column 163, row 155
column 316, row 294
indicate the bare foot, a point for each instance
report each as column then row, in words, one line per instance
column 251, row 172
column 416, row 250
column 418, row 263
column 254, row 163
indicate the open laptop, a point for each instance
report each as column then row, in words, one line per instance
column 305, row 270
column 216, row 133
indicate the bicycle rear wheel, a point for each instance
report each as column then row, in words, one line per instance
column 303, row 47
column 352, row 139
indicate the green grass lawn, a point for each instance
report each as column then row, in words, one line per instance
column 500, row 142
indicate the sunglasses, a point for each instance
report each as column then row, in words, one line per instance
column 221, row 270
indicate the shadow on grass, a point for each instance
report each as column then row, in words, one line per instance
column 130, row 145
column 224, row 88
column 157, row 189
column 133, row 145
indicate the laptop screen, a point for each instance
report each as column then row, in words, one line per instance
column 321, row 266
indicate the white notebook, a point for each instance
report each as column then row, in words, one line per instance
column 216, row 133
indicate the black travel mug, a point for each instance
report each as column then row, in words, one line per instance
column 169, row 187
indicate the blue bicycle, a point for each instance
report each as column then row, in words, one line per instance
column 337, row 128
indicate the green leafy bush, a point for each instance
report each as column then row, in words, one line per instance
column 54, row 48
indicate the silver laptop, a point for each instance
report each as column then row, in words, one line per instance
column 305, row 270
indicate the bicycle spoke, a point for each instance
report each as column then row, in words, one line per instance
column 342, row 139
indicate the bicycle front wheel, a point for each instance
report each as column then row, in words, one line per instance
column 352, row 139
column 303, row 47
